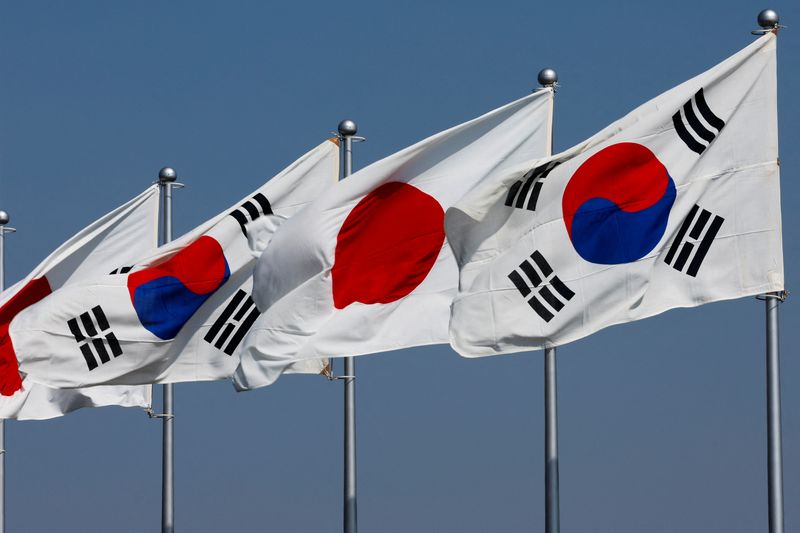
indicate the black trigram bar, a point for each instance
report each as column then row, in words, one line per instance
column 121, row 270
column 251, row 210
column 685, row 246
column 92, row 333
column 535, row 275
column 700, row 130
column 525, row 194
column 233, row 324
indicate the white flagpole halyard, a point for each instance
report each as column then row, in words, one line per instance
column 4, row 220
column 549, row 78
column 769, row 21
column 166, row 180
column 347, row 129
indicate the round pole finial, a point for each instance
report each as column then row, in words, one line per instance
column 547, row 77
column 167, row 174
column 768, row 18
column 4, row 218
column 347, row 128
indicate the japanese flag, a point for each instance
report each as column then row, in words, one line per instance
column 122, row 235
column 365, row 268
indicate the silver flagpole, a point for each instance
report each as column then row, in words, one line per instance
column 4, row 219
column 166, row 178
column 774, row 455
column 548, row 78
column 347, row 129
column 769, row 21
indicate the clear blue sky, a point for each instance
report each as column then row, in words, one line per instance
column 662, row 422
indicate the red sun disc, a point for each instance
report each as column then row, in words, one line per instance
column 32, row 292
column 387, row 245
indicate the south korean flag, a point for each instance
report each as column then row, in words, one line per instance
column 123, row 234
column 675, row 205
column 180, row 314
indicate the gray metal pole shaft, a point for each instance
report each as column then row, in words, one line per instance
column 549, row 78
column 551, row 512
column 350, row 515
column 774, row 454
column 167, row 448
column 769, row 20
column 2, row 422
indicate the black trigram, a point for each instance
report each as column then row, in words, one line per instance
column 525, row 192
column 92, row 333
column 701, row 131
column 121, row 270
column 251, row 210
column 233, row 324
column 539, row 274
column 697, row 243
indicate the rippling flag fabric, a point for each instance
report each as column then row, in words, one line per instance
column 365, row 268
column 180, row 314
column 675, row 205
column 128, row 232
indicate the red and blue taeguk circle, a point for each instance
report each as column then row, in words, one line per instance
column 166, row 296
column 616, row 205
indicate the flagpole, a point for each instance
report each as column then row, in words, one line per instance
column 347, row 129
column 774, row 456
column 549, row 78
column 4, row 220
column 769, row 21
column 166, row 178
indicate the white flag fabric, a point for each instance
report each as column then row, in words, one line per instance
column 675, row 205
column 365, row 268
column 128, row 232
column 180, row 314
